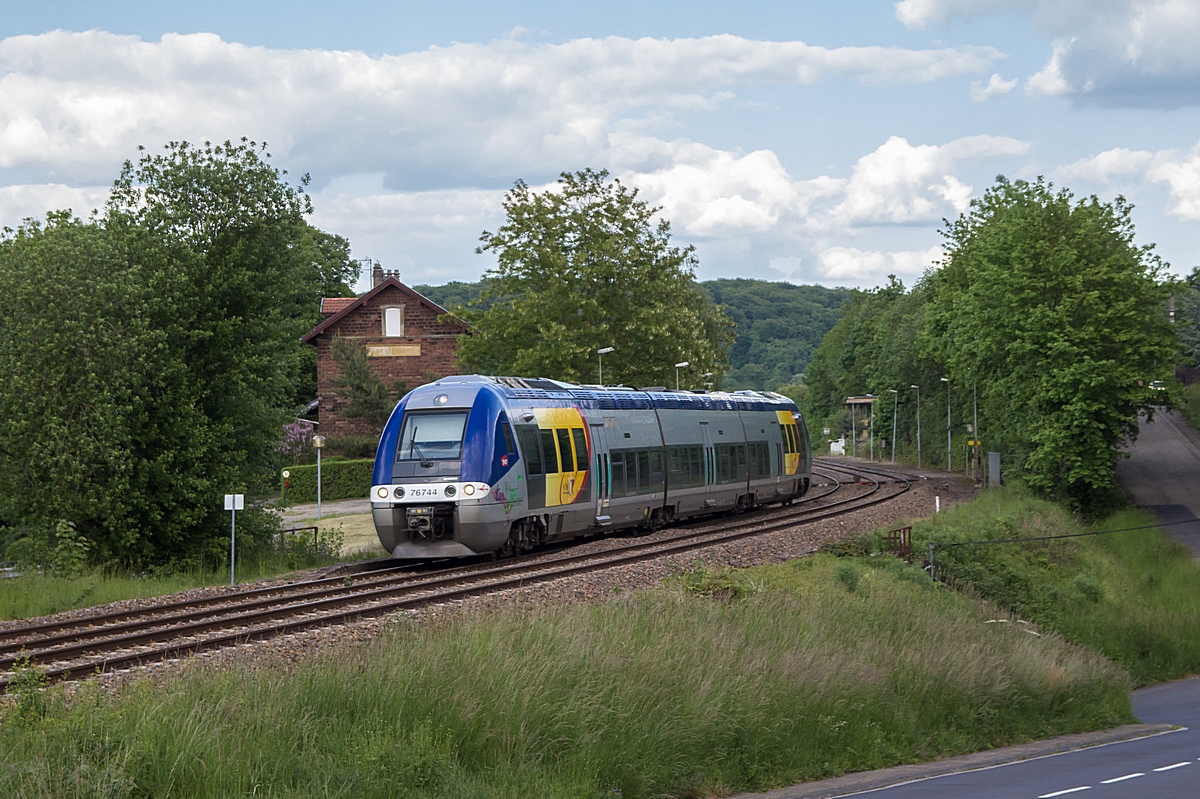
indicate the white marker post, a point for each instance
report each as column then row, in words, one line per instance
column 233, row 504
column 318, row 443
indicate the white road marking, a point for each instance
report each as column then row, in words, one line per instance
column 1174, row 765
column 1068, row 790
column 1122, row 779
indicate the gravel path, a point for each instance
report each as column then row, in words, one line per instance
column 770, row 547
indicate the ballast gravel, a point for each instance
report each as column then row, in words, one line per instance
column 929, row 488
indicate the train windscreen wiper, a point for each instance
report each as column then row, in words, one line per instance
column 412, row 447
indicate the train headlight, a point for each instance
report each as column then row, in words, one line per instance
column 468, row 490
column 381, row 492
column 450, row 491
column 399, row 492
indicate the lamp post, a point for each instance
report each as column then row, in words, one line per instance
column 949, row 452
column 678, row 366
column 918, row 388
column 871, row 430
column 975, row 452
column 600, row 354
column 318, row 444
column 895, row 406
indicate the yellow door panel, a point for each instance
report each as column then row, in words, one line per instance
column 565, row 487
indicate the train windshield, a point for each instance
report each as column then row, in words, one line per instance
column 432, row 436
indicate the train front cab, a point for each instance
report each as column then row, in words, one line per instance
column 446, row 473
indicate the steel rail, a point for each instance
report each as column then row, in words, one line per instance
column 66, row 645
column 17, row 639
column 514, row 575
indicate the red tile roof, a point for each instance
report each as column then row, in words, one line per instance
column 331, row 305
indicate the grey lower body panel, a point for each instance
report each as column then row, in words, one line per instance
column 478, row 529
column 411, row 550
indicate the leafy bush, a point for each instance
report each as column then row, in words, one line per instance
column 719, row 584
column 340, row 479
column 852, row 546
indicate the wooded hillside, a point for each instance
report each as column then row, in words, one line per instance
column 779, row 325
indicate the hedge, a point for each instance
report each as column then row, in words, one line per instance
column 340, row 479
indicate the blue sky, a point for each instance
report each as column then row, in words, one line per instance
column 812, row 142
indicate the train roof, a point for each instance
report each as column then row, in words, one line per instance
column 625, row 398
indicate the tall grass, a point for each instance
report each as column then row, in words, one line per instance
column 799, row 673
column 1135, row 596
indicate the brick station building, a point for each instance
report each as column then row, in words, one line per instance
column 402, row 334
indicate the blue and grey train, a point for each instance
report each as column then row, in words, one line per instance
column 472, row 465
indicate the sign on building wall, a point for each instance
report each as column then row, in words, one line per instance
column 394, row 351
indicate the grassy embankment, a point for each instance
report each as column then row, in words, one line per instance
column 1135, row 596
column 789, row 672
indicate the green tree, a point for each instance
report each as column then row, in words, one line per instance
column 1187, row 316
column 585, row 266
column 370, row 398
column 151, row 355
column 1051, row 309
column 99, row 424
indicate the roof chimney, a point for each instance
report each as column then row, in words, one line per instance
column 376, row 275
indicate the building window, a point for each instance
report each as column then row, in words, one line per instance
column 393, row 321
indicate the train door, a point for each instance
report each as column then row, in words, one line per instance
column 603, row 471
column 710, row 467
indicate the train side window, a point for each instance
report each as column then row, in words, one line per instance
column 550, row 457
column 510, row 447
column 656, row 469
column 699, row 466
column 564, row 449
column 528, row 436
column 643, row 472
column 616, row 486
column 581, row 453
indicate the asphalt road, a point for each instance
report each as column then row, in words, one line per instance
column 1162, row 475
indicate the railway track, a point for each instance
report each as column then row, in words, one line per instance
column 125, row 639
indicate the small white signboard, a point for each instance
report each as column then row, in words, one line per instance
column 235, row 501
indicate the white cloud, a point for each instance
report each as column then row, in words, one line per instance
column 709, row 192
column 1182, row 176
column 852, row 265
column 1124, row 52
column 1050, row 81
column 996, row 87
column 32, row 201
column 73, row 105
column 1116, row 163
column 901, row 183
column 916, row 14
column 430, row 236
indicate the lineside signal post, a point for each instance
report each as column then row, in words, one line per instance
column 233, row 504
